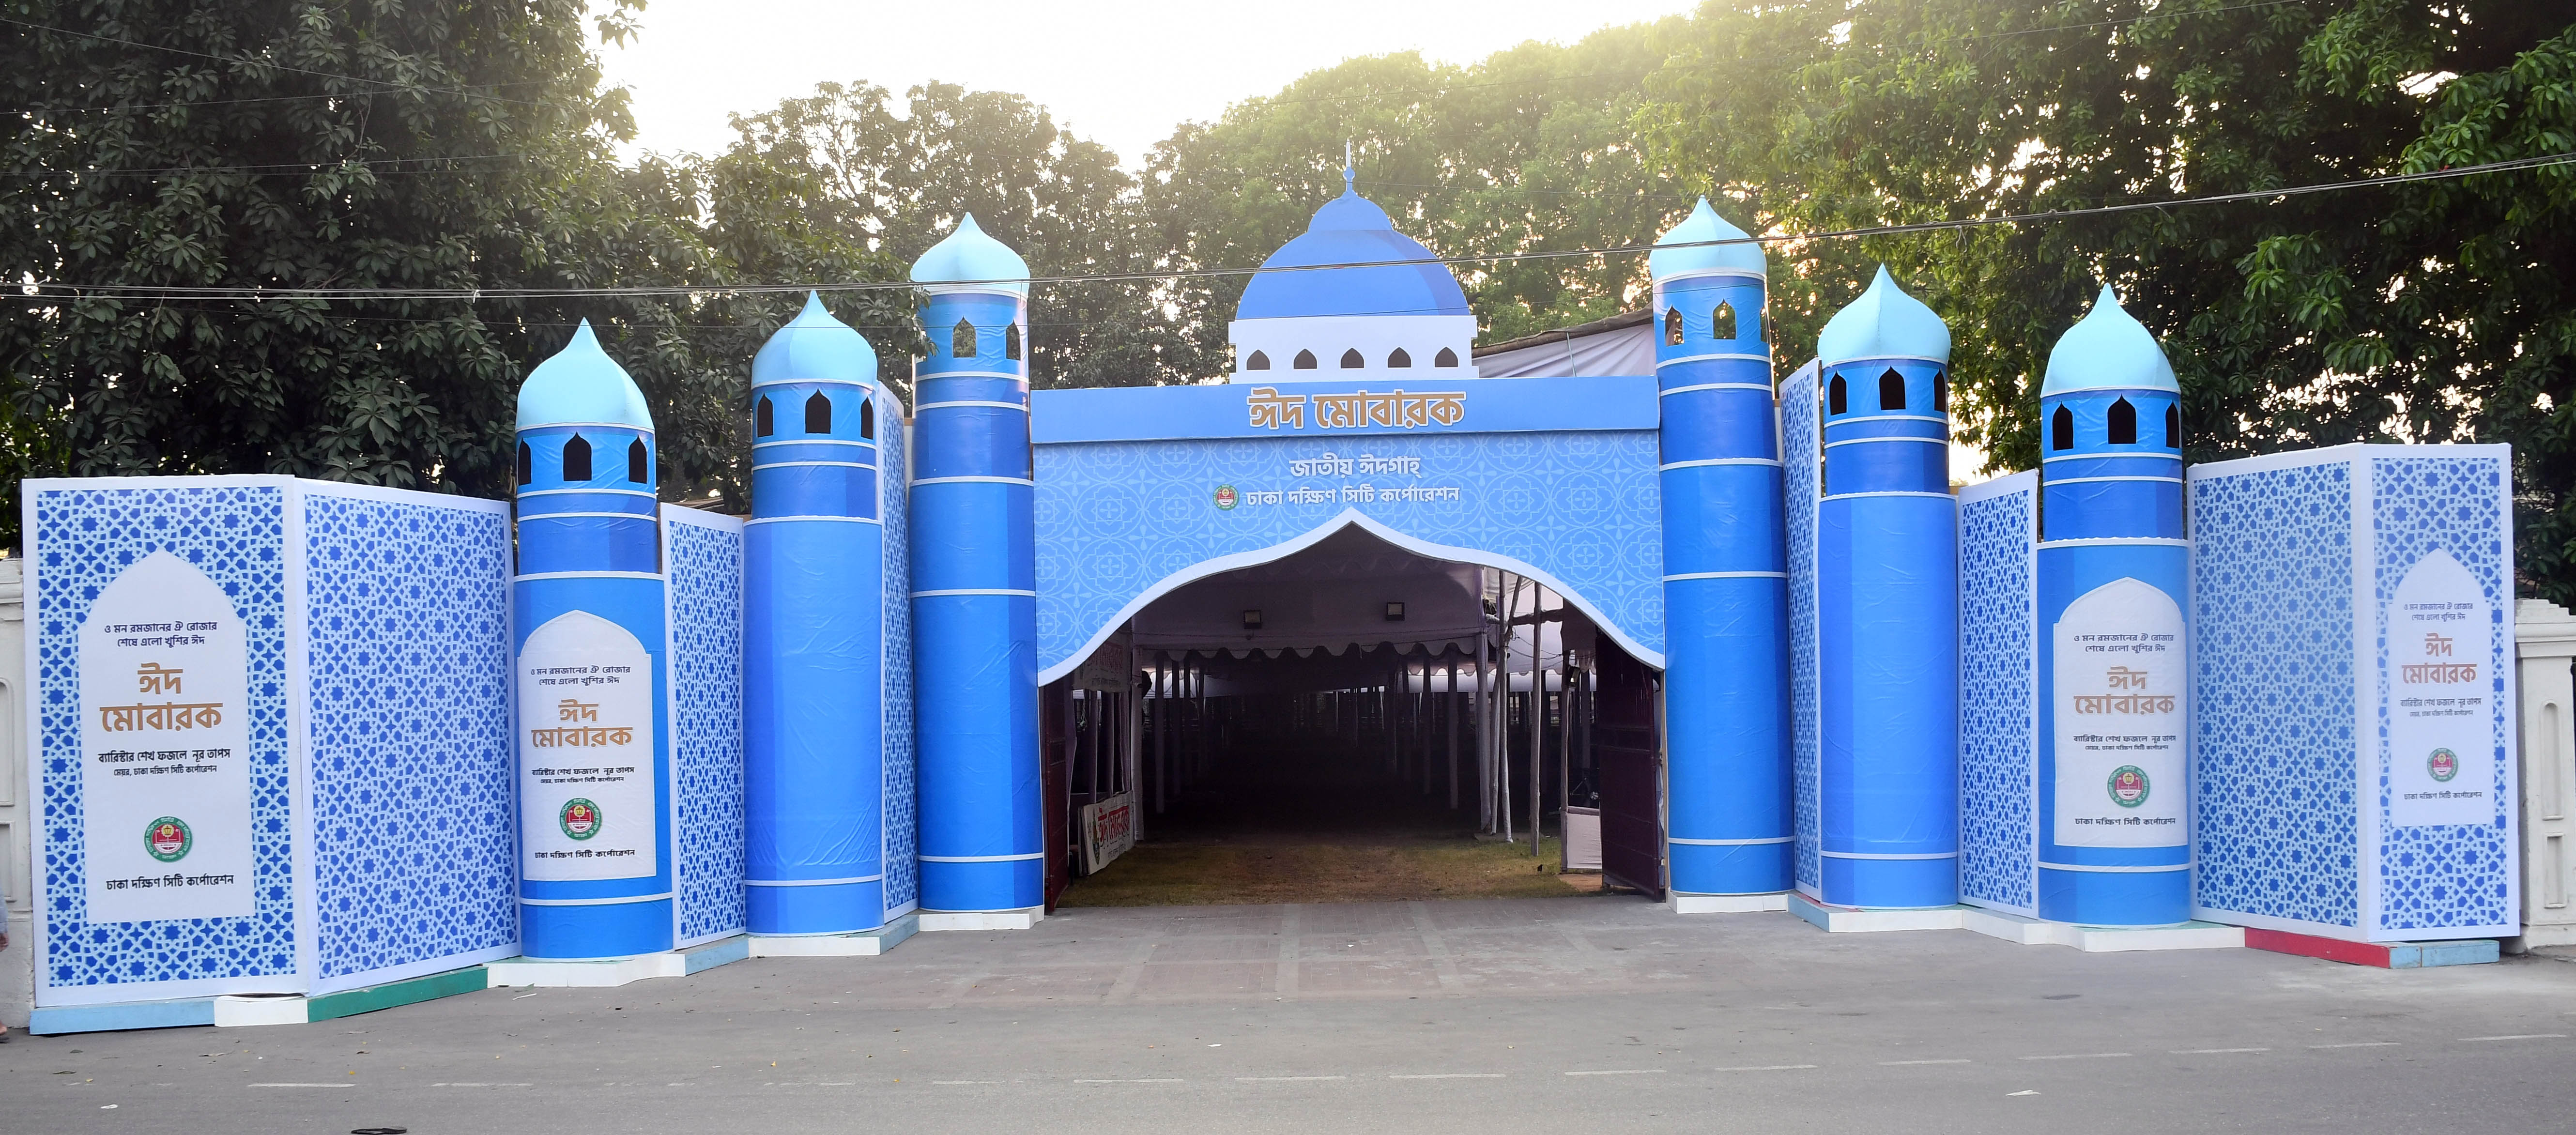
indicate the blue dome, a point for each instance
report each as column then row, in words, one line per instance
column 969, row 255
column 1704, row 224
column 814, row 347
column 1884, row 323
column 581, row 384
column 2108, row 350
column 1350, row 230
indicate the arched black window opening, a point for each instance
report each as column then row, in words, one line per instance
column 527, row 465
column 1352, row 360
column 764, row 418
column 1891, row 390
column 2173, row 426
column 1940, row 392
column 2123, row 423
column 1011, row 342
column 1837, row 396
column 576, row 463
column 868, row 419
column 1721, row 323
column 1305, row 360
column 1672, row 327
column 818, row 414
column 1398, row 360
column 1446, row 358
column 1258, row 361
column 639, row 463
column 2061, row 429
column 961, row 340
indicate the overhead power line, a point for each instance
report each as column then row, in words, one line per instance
column 171, row 291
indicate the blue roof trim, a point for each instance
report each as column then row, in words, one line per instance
column 1484, row 405
column 581, row 384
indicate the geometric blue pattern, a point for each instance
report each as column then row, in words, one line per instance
column 706, row 599
column 1998, row 750
column 2274, row 751
column 2441, row 876
column 80, row 540
column 407, row 709
column 1116, row 518
column 902, row 816
column 1802, row 467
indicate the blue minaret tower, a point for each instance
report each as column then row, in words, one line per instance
column 593, row 674
column 974, row 579
column 1887, row 590
column 1725, row 577
column 814, row 635
column 2114, row 570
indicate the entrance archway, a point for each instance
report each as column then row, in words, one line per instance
column 1393, row 723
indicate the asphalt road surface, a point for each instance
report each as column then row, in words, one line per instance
column 1586, row 1014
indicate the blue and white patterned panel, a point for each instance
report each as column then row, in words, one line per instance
column 407, row 716
column 81, row 535
column 902, row 813
column 1998, row 742
column 2272, row 694
column 2435, row 878
column 707, row 745
column 1802, row 472
column 1116, row 518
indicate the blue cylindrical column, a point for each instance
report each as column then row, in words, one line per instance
column 1887, row 568
column 2114, row 587
column 814, row 636
column 593, row 674
column 1725, row 578
column 974, row 579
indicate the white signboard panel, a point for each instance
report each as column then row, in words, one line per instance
column 1108, row 830
column 2122, row 693
column 586, row 800
column 2441, row 756
column 165, row 748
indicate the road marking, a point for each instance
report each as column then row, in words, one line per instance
column 2208, row 1051
column 1282, row 1079
column 2080, row 1056
column 1901, row 1063
column 2359, row 1044
column 965, row 1081
column 1619, row 1072
column 481, row 1085
column 1447, row 1076
column 1173, row 1080
column 302, row 1085
column 1764, row 1068
column 2024, row 1092
column 2519, row 1036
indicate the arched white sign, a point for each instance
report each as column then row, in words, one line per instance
column 586, row 800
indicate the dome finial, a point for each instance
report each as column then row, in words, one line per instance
column 1350, row 169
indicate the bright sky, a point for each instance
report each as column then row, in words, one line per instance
column 1123, row 73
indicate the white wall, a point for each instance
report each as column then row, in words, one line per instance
column 17, row 803
column 1373, row 336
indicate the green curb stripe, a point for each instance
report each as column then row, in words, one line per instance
column 351, row 1002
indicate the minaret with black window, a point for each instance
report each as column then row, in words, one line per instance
column 592, row 660
column 814, row 635
column 974, row 597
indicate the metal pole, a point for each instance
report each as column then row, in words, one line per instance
column 1164, row 681
column 1503, row 722
column 1538, row 718
column 1449, row 719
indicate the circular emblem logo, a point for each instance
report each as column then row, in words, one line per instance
column 579, row 818
column 2128, row 786
column 2443, row 764
column 1225, row 496
column 168, row 839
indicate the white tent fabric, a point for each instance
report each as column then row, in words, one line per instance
column 1600, row 348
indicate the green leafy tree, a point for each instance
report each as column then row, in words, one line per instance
column 2425, row 312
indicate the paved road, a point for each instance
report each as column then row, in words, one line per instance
column 1606, row 1014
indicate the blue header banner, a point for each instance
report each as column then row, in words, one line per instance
column 1432, row 405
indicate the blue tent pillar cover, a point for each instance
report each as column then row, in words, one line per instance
column 974, row 579
column 593, row 674
column 1725, row 572
column 2114, row 571
column 1887, row 608
column 814, row 635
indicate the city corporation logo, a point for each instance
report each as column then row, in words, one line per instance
column 1225, row 496
column 579, row 818
column 2443, row 764
column 168, row 839
column 2128, row 786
